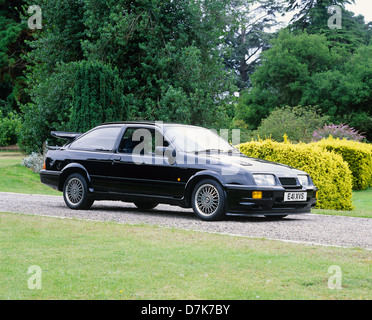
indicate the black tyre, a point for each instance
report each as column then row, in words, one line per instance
column 145, row 205
column 75, row 193
column 208, row 200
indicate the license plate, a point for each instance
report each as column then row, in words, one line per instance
column 295, row 196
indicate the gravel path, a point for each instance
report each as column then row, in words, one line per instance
column 307, row 228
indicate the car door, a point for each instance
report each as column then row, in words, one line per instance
column 138, row 169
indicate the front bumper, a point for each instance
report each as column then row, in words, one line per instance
column 239, row 200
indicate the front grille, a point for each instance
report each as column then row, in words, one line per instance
column 288, row 181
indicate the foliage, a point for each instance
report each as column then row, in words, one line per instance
column 50, row 108
column 358, row 156
column 163, row 55
column 165, row 50
column 307, row 69
column 96, row 96
column 12, row 36
column 328, row 170
column 247, row 35
column 9, row 127
column 50, row 76
column 285, row 70
column 341, row 131
column 298, row 123
column 345, row 92
column 179, row 60
column 304, row 9
column 34, row 162
column 313, row 18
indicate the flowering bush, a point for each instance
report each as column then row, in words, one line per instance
column 35, row 160
column 340, row 131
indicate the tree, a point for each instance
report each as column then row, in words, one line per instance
column 49, row 108
column 305, row 12
column 164, row 50
column 286, row 68
column 345, row 92
column 248, row 35
column 313, row 16
column 96, row 96
column 12, row 35
column 50, row 71
column 165, row 55
column 307, row 69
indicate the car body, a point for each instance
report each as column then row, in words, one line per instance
column 188, row 166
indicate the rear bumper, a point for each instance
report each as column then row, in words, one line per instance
column 50, row 178
column 239, row 200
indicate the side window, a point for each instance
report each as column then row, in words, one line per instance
column 142, row 140
column 102, row 139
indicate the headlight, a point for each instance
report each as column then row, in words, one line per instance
column 264, row 179
column 304, row 180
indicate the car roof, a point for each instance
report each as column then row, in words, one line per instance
column 155, row 123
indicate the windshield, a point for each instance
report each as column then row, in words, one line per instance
column 197, row 139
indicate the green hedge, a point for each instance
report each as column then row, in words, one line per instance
column 357, row 154
column 328, row 170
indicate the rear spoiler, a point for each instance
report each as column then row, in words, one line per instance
column 65, row 135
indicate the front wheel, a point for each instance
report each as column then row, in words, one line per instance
column 208, row 200
column 75, row 193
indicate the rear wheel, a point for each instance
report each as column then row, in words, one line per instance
column 145, row 205
column 208, row 200
column 75, row 193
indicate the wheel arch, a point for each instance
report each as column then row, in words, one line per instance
column 70, row 169
column 194, row 180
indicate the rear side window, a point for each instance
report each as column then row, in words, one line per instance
column 102, row 139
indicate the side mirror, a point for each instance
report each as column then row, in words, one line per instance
column 168, row 152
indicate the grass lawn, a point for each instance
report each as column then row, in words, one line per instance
column 97, row 260
column 19, row 179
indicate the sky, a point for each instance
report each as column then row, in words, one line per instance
column 363, row 7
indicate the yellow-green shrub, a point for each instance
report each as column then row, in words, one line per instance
column 328, row 170
column 357, row 154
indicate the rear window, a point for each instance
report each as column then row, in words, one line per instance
column 102, row 139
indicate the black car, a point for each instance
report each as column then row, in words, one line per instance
column 148, row 163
